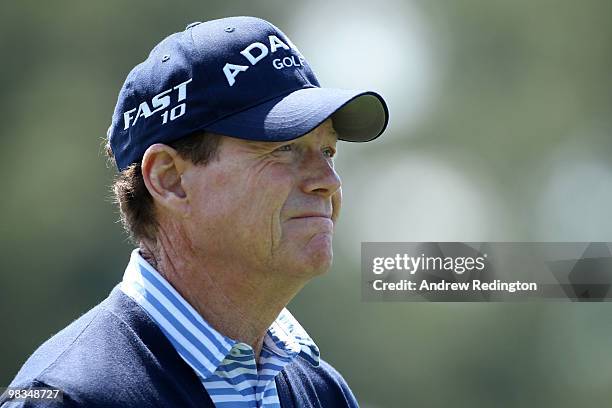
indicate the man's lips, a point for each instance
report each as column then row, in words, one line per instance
column 314, row 222
column 312, row 215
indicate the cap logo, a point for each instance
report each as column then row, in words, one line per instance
column 158, row 103
column 257, row 51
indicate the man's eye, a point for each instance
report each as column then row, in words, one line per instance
column 285, row 148
column 329, row 152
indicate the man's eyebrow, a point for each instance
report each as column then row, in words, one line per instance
column 257, row 146
column 268, row 145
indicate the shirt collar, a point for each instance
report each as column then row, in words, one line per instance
column 203, row 347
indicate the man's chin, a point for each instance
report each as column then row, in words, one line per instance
column 307, row 253
column 316, row 257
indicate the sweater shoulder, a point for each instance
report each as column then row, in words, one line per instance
column 113, row 354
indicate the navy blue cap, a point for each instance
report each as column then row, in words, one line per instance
column 236, row 76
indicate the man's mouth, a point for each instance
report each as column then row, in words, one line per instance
column 313, row 215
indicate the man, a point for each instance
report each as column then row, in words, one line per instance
column 225, row 145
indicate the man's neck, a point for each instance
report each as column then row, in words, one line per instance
column 238, row 303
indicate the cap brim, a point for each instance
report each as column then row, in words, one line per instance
column 358, row 116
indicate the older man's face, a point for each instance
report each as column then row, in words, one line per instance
column 268, row 207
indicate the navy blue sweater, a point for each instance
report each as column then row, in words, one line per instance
column 116, row 356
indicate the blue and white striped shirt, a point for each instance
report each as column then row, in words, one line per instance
column 226, row 367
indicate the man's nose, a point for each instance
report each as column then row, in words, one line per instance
column 320, row 176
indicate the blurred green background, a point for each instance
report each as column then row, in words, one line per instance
column 501, row 120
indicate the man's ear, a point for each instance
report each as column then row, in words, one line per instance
column 162, row 168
